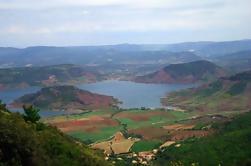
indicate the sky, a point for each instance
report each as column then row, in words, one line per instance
column 96, row 22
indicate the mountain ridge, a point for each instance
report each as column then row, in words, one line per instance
column 225, row 94
column 184, row 73
column 45, row 76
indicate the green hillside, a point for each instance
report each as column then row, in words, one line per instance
column 226, row 94
column 197, row 69
column 184, row 73
column 26, row 143
column 230, row 146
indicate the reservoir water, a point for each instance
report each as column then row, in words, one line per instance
column 134, row 95
column 131, row 94
column 7, row 96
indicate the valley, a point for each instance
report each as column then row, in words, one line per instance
column 125, row 83
column 121, row 133
column 135, row 104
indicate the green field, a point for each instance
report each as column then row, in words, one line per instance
column 143, row 145
column 101, row 135
column 126, row 122
column 101, row 112
column 157, row 120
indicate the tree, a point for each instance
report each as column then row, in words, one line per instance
column 3, row 106
column 31, row 114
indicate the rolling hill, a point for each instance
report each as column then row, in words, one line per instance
column 226, row 94
column 184, row 73
column 26, row 143
column 66, row 98
column 45, row 76
column 236, row 62
column 233, row 137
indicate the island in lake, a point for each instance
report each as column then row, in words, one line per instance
column 68, row 98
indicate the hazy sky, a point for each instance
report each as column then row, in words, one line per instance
column 93, row 22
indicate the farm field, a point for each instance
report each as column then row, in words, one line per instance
column 144, row 145
column 119, row 131
column 117, row 145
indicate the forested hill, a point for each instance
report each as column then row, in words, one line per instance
column 226, row 94
column 229, row 146
column 27, row 142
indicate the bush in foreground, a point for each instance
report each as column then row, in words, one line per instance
column 26, row 143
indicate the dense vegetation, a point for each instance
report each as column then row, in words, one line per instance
column 230, row 146
column 225, row 94
column 145, row 145
column 23, row 142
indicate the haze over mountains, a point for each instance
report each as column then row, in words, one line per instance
column 238, row 61
column 215, row 79
column 120, row 54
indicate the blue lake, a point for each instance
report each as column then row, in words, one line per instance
column 7, row 96
column 134, row 95
column 131, row 94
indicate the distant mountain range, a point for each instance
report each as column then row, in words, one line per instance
column 212, row 49
column 184, row 73
column 226, row 94
column 68, row 98
column 91, row 56
column 119, row 54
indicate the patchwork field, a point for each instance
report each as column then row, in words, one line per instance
column 142, row 118
column 117, row 131
column 88, row 127
column 149, row 133
column 117, row 145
